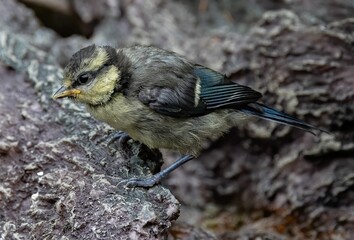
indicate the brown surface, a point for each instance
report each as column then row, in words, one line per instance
column 58, row 177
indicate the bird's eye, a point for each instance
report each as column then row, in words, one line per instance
column 83, row 78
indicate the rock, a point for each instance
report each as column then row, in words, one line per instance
column 261, row 181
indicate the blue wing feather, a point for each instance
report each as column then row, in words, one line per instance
column 218, row 92
column 208, row 77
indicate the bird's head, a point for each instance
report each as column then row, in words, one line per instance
column 91, row 76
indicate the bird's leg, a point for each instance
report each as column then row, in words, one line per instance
column 151, row 181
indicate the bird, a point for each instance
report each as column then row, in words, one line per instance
column 162, row 99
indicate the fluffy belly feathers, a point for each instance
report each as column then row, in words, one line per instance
column 159, row 131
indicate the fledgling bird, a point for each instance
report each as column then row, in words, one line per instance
column 161, row 99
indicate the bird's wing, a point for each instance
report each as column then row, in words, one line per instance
column 208, row 91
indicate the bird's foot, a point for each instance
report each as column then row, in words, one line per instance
column 141, row 182
column 122, row 138
column 153, row 180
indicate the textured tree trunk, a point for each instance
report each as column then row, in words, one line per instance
column 59, row 176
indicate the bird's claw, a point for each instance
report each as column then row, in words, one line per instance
column 140, row 182
column 122, row 138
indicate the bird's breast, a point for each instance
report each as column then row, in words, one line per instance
column 120, row 113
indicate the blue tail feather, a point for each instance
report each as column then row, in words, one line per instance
column 268, row 113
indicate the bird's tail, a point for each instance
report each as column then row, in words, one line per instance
column 268, row 113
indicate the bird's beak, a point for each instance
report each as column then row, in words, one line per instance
column 64, row 92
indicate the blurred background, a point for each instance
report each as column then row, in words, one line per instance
column 262, row 180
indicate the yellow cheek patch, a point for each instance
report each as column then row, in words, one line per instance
column 106, row 83
column 103, row 87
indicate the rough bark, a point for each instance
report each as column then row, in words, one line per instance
column 58, row 176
